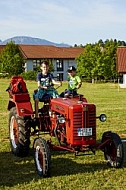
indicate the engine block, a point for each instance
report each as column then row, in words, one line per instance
column 80, row 120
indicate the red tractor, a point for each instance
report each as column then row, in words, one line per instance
column 72, row 121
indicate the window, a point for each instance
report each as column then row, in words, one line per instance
column 59, row 65
column 36, row 64
column 60, row 76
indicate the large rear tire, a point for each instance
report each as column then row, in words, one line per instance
column 42, row 157
column 113, row 151
column 19, row 133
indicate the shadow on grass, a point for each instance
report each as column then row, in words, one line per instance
column 66, row 166
column 17, row 171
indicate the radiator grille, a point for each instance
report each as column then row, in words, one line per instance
column 84, row 119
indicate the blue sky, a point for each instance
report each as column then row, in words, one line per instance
column 68, row 21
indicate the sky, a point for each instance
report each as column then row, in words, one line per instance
column 64, row 21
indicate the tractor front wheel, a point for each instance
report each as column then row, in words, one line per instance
column 113, row 151
column 19, row 133
column 42, row 157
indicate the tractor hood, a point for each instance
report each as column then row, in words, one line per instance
column 62, row 105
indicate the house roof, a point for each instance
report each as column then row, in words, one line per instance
column 121, row 59
column 49, row 52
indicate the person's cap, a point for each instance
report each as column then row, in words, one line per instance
column 71, row 68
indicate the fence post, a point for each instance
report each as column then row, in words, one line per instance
column 118, row 84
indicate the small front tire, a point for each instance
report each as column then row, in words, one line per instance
column 42, row 157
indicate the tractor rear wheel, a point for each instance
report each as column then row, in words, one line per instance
column 42, row 157
column 113, row 151
column 19, row 133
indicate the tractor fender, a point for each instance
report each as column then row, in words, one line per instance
column 24, row 108
column 22, row 104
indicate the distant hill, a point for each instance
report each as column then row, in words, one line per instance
column 32, row 41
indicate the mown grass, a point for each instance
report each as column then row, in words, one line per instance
column 68, row 172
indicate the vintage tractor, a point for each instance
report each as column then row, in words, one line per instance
column 72, row 121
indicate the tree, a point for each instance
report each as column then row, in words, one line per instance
column 11, row 60
column 98, row 60
column 88, row 62
column 110, row 59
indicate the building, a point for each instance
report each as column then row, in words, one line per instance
column 2, row 47
column 61, row 57
column 121, row 63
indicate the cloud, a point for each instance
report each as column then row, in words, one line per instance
column 69, row 21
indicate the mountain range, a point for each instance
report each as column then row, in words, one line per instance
column 32, row 41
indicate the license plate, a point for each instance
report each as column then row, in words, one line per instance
column 84, row 132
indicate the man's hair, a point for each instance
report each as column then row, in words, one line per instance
column 45, row 63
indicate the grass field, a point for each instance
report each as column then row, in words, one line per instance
column 88, row 172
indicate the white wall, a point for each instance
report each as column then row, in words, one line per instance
column 67, row 63
column 124, row 78
column 124, row 82
column 28, row 65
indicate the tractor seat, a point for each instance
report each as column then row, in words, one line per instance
column 46, row 98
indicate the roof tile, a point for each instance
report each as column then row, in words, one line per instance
column 121, row 59
column 41, row 51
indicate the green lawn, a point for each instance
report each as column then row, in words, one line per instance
column 88, row 172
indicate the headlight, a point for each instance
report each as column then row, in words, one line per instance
column 102, row 117
column 61, row 119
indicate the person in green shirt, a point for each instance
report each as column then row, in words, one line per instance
column 74, row 83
